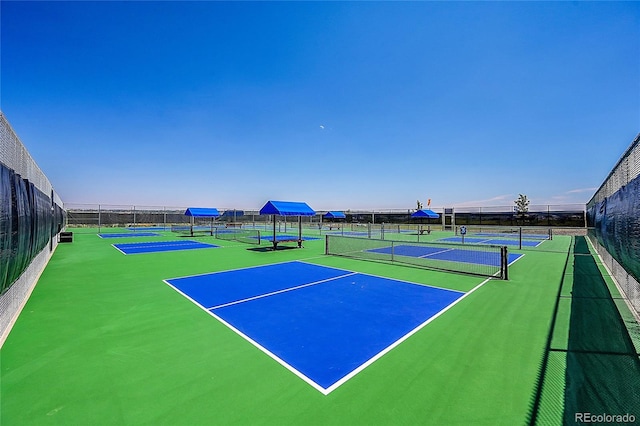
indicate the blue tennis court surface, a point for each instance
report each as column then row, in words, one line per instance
column 129, row 235
column 160, row 246
column 511, row 235
column 493, row 241
column 448, row 254
column 323, row 324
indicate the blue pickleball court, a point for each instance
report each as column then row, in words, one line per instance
column 499, row 241
column 451, row 254
column 324, row 324
column 129, row 235
column 162, row 246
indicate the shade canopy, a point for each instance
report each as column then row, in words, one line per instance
column 202, row 212
column 287, row 208
column 334, row 215
column 426, row 213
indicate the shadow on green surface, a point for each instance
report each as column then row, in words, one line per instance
column 603, row 369
column 602, row 374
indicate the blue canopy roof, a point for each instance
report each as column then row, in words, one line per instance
column 202, row 212
column 334, row 215
column 287, row 208
column 426, row 213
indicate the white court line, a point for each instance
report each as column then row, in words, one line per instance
column 433, row 254
column 488, row 241
column 117, row 248
column 253, row 342
column 126, row 235
column 424, row 256
column 518, row 258
column 393, row 252
column 272, row 355
column 162, row 243
column 390, row 278
column 245, row 268
column 362, row 366
column 280, row 291
column 143, row 245
column 400, row 340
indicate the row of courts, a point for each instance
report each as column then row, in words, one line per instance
column 152, row 326
column 279, row 294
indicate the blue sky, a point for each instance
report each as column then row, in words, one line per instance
column 344, row 105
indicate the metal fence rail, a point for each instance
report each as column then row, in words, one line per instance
column 105, row 215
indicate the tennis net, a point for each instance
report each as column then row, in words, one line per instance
column 192, row 230
column 248, row 236
column 482, row 260
column 509, row 232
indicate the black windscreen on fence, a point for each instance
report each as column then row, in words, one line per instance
column 20, row 221
column 27, row 223
column 5, row 225
column 613, row 218
column 616, row 221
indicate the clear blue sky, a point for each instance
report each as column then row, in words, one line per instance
column 344, row 105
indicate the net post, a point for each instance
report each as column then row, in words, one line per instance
column 326, row 244
column 275, row 241
column 520, row 238
column 504, row 263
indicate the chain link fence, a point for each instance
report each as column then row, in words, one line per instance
column 31, row 215
column 613, row 219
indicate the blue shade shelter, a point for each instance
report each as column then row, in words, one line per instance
column 202, row 212
column 287, row 208
column 426, row 213
column 334, row 215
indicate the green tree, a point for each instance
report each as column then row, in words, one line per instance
column 522, row 207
